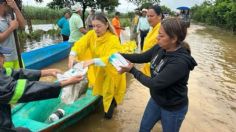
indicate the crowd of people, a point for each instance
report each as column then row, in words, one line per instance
column 166, row 57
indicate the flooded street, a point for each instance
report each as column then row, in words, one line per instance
column 212, row 90
column 44, row 40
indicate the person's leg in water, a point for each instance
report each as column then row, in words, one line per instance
column 109, row 113
column 171, row 120
column 151, row 116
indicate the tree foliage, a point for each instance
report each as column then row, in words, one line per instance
column 57, row 4
column 41, row 13
column 219, row 13
column 142, row 2
column 163, row 8
column 166, row 10
column 101, row 4
column 107, row 4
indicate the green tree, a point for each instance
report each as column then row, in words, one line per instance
column 107, row 4
column 166, row 10
column 141, row 2
column 68, row 3
column 220, row 13
column 19, row 3
column 58, row 4
column 102, row 4
column 163, row 8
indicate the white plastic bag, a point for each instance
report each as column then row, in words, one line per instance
column 73, row 92
column 125, row 35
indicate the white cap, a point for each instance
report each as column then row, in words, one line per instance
column 76, row 7
column 144, row 10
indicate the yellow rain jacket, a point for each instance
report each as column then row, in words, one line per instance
column 107, row 82
column 149, row 42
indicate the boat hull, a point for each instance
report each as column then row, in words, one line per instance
column 34, row 115
column 43, row 57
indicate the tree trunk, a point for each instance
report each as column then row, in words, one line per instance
column 102, row 8
column 234, row 29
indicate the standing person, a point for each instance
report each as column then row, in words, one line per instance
column 101, row 42
column 154, row 15
column 20, row 86
column 171, row 63
column 116, row 24
column 135, row 24
column 89, row 19
column 76, row 24
column 63, row 23
column 7, row 27
column 143, row 26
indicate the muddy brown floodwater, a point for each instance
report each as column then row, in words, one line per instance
column 212, row 90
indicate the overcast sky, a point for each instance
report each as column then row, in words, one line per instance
column 126, row 6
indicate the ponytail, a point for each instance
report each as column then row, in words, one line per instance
column 186, row 46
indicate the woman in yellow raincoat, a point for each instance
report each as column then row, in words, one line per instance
column 95, row 49
column 154, row 18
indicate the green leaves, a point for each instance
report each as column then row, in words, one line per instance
column 42, row 13
column 219, row 13
column 142, row 2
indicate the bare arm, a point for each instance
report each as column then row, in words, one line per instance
column 18, row 13
column 83, row 30
column 50, row 72
column 72, row 80
column 4, row 35
column 20, row 18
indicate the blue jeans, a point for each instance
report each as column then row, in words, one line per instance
column 171, row 120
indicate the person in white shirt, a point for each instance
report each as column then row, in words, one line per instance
column 143, row 26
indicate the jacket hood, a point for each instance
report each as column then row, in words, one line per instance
column 184, row 55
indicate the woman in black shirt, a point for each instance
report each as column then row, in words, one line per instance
column 171, row 64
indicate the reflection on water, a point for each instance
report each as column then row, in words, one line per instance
column 212, row 90
column 215, row 51
column 44, row 27
column 212, row 86
column 44, row 40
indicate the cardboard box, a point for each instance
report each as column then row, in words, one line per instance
column 117, row 61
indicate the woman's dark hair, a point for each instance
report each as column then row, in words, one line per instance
column 67, row 11
column 186, row 46
column 102, row 18
column 117, row 13
column 175, row 27
column 157, row 9
column 1, row 1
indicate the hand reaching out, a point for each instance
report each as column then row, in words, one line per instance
column 72, row 80
column 87, row 63
column 50, row 72
column 126, row 68
column 71, row 61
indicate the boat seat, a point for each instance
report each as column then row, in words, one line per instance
column 28, row 123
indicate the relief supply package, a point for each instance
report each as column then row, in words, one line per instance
column 73, row 92
column 117, row 61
